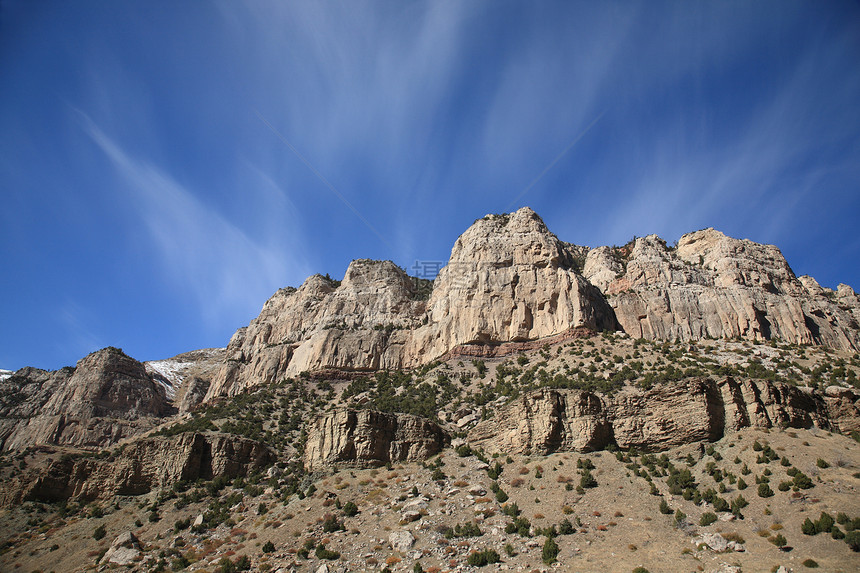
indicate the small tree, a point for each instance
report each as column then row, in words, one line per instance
column 350, row 509
column 99, row 532
column 587, row 480
column 824, row 523
column 764, row 490
column 268, row 547
column 550, row 551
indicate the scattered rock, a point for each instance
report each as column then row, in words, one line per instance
column 717, row 542
column 124, row 550
column 401, row 541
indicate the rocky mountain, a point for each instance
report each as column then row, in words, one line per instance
column 108, row 396
column 714, row 286
column 524, row 353
column 509, row 279
column 510, row 284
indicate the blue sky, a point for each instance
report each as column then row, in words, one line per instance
column 166, row 166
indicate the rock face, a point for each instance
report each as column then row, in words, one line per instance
column 149, row 463
column 508, row 279
column 108, row 396
column 659, row 418
column 360, row 325
column 369, row 438
column 714, row 286
column 186, row 377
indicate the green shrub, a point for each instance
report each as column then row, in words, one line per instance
column 481, row 558
column 468, row 529
column 99, row 532
column 550, row 551
column 764, row 490
column 837, row 533
column 824, row 523
column 808, row 527
column 332, row 524
column 707, row 518
column 268, row 547
column 322, row 553
column 226, row 566
column 810, row 563
column 350, row 509
column 587, row 480
column 802, row 481
column 852, row 538
column 664, row 507
column 566, row 528
column 821, row 463
column 779, row 540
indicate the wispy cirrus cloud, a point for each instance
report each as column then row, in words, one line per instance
column 199, row 251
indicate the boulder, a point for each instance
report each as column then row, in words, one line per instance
column 401, row 541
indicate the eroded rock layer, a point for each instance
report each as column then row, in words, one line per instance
column 714, row 286
column 146, row 464
column 369, row 438
column 662, row 417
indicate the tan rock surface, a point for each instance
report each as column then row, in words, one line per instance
column 367, row 438
column 148, row 463
column 108, row 396
column 508, row 279
column 714, row 286
column 659, row 418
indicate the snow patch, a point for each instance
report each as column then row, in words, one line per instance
column 4, row 374
column 169, row 370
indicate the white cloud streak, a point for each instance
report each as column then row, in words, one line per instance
column 202, row 253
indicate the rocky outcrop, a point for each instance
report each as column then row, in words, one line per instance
column 108, row 396
column 360, row 324
column 509, row 279
column 843, row 408
column 147, row 464
column 714, row 286
column 370, row 438
column 655, row 419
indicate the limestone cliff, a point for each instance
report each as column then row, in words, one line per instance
column 664, row 416
column 147, row 464
column 367, row 438
column 508, row 279
column 714, row 286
